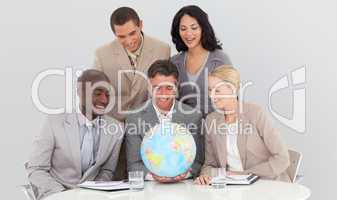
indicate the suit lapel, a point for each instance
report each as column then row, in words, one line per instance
column 146, row 55
column 150, row 115
column 122, row 60
column 72, row 132
column 105, row 141
column 177, row 116
column 144, row 62
column 221, row 139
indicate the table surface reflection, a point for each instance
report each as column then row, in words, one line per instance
column 186, row 190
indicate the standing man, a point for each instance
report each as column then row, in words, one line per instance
column 131, row 50
column 77, row 147
column 124, row 60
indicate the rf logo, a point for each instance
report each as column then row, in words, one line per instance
column 297, row 79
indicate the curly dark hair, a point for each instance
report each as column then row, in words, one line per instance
column 208, row 39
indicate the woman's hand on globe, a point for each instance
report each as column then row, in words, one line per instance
column 203, row 180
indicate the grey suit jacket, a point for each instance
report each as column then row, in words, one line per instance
column 260, row 146
column 112, row 57
column 134, row 137
column 215, row 59
column 55, row 163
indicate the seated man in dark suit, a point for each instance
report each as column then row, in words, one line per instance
column 163, row 106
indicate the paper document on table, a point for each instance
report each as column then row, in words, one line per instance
column 107, row 186
column 236, row 179
column 241, row 179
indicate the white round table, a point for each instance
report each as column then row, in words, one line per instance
column 186, row 190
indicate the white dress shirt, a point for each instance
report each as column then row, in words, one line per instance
column 164, row 117
column 233, row 155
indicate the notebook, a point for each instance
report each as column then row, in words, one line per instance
column 238, row 179
column 105, row 185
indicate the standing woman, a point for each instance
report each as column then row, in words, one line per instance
column 199, row 53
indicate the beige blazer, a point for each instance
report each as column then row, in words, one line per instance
column 261, row 148
column 55, row 162
column 112, row 58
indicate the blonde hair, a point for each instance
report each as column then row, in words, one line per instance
column 227, row 73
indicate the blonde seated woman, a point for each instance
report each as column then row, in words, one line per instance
column 240, row 138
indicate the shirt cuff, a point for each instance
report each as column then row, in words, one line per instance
column 189, row 175
column 149, row 177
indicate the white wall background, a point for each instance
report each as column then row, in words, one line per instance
column 265, row 40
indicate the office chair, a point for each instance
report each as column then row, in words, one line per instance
column 295, row 162
column 28, row 191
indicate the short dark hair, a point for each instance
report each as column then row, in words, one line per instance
column 208, row 39
column 93, row 76
column 122, row 15
column 163, row 67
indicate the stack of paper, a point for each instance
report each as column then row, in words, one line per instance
column 106, row 186
column 237, row 179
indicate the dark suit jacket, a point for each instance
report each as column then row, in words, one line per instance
column 148, row 115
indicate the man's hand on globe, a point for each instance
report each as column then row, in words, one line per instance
column 163, row 179
column 182, row 176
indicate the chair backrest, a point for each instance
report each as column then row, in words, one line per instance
column 28, row 188
column 28, row 191
column 295, row 162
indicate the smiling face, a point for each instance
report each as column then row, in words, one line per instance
column 190, row 31
column 94, row 101
column 222, row 94
column 100, row 100
column 163, row 90
column 129, row 35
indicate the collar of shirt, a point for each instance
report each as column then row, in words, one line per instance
column 84, row 121
column 134, row 55
column 160, row 115
column 233, row 128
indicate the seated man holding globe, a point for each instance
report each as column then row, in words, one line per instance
column 163, row 136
